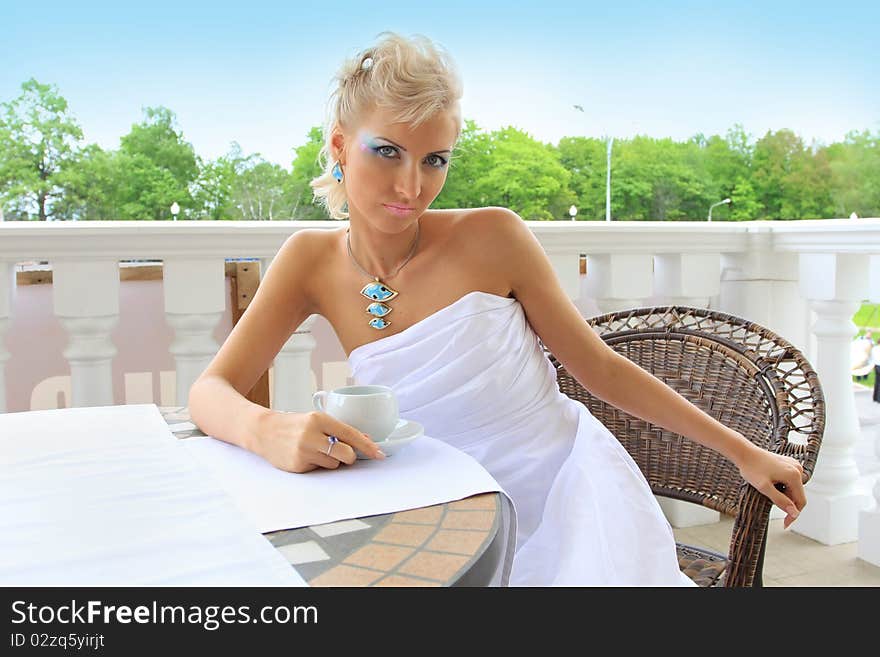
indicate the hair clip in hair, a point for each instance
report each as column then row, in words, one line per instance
column 367, row 64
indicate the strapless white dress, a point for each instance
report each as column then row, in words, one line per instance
column 474, row 375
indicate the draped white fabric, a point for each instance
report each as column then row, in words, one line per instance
column 474, row 375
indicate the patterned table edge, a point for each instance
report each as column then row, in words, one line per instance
column 431, row 546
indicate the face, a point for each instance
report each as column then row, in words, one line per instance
column 394, row 171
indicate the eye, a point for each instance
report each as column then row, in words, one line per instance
column 435, row 161
column 386, row 150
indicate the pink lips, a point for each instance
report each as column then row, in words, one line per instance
column 398, row 210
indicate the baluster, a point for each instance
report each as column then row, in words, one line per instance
column 686, row 279
column 85, row 296
column 7, row 295
column 195, row 299
column 618, row 281
column 834, row 285
column 293, row 379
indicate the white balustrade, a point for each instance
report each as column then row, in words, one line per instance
column 7, row 290
column 85, row 294
column 294, row 380
column 869, row 528
column 686, row 279
column 618, row 281
column 835, row 285
column 195, row 298
column 831, row 516
column 869, row 469
column 801, row 279
column 761, row 285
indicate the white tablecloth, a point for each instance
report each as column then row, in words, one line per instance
column 108, row 497
column 426, row 472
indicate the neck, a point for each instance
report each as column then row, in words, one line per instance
column 380, row 254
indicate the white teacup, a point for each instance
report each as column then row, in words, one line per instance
column 371, row 409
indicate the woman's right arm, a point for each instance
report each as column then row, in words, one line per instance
column 296, row 442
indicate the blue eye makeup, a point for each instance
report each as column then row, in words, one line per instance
column 391, row 152
column 384, row 150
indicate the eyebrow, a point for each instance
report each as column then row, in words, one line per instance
column 445, row 150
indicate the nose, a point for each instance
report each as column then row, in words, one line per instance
column 409, row 183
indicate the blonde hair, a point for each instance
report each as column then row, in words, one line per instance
column 412, row 78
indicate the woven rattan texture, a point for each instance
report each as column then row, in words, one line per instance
column 740, row 373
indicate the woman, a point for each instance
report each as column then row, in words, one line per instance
column 455, row 301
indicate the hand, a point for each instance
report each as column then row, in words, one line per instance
column 298, row 442
column 781, row 478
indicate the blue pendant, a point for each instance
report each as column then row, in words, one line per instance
column 378, row 291
column 379, row 309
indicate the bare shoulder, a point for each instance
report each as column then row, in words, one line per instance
column 497, row 232
column 299, row 260
column 471, row 226
column 307, row 242
column 488, row 218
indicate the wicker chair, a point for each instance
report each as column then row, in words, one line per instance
column 746, row 377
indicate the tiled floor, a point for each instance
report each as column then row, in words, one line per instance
column 792, row 559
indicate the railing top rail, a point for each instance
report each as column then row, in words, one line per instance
column 231, row 239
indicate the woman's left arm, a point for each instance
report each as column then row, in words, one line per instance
column 617, row 380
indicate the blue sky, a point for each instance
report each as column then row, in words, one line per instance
column 258, row 71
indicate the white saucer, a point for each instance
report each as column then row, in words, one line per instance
column 404, row 433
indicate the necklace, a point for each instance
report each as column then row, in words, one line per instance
column 378, row 291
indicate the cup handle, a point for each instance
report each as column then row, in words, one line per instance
column 319, row 400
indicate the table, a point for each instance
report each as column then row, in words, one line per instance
column 457, row 543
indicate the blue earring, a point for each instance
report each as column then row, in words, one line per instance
column 337, row 172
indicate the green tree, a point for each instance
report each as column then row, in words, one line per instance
column 508, row 169
column 38, row 136
column 585, row 158
column 305, row 168
column 156, row 189
column 855, row 174
column 158, row 167
column 790, row 182
column 724, row 163
column 658, row 180
column 471, row 161
column 213, row 189
column 262, row 190
column 91, row 186
column 744, row 204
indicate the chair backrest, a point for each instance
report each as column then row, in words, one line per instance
column 743, row 375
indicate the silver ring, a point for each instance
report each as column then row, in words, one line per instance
column 332, row 440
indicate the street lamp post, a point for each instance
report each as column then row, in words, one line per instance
column 572, row 211
column 608, row 183
column 727, row 200
column 175, row 209
column 610, row 141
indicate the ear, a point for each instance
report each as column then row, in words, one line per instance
column 337, row 144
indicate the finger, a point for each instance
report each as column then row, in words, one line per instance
column 349, row 435
column 795, row 491
column 339, row 451
column 324, row 461
column 782, row 500
column 791, row 482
